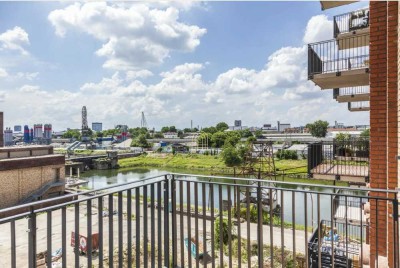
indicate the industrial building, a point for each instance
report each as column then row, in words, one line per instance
column 30, row 173
column 8, row 137
column 17, row 128
column 97, row 126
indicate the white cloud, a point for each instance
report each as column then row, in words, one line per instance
column 134, row 36
column 319, row 28
column 3, row 73
column 27, row 76
column 15, row 39
column 2, row 96
column 131, row 75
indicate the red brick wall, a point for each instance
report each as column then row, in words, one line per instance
column 383, row 120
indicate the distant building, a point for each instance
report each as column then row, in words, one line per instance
column 97, row 126
column 17, row 128
column 29, row 174
column 8, row 137
column 238, row 123
column 282, row 127
column 170, row 135
column 268, row 128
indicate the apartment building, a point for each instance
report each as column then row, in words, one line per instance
column 361, row 66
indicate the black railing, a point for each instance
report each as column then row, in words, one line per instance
column 334, row 56
column 341, row 157
column 351, row 91
column 177, row 220
column 350, row 22
column 359, row 105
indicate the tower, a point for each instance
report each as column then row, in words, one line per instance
column 143, row 122
column 85, row 128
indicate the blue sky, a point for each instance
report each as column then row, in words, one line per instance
column 206, row 62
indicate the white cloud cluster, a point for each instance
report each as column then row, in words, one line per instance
column 3, row 73
column 278, row 91
column 319, row 28
column 134, row 36
column 15, row 39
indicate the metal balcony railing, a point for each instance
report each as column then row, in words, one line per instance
column 350, row 22
column 177, row 220
column 359, row 105
column 340, row 157
column 326, row 57
column 351, row 91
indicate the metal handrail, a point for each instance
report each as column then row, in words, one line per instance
column 351, row 21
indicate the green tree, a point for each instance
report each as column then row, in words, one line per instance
column 221, row 126
column 245, row 133
column 365, row 133
column 164, row 129
column 218, row 139
column 72, row 133
column 204, row 139
column 140, row 141
column 186, row 130
column 172, row 129
column 158, row 135
column 318, row 129
column 258, row 133
column 210, row 130
column 233, row 138
column 231, row 156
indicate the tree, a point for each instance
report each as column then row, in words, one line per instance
column 365, row 133
column 318, row 129
column 231, row 156
column 158, row 135
column 164, row 129
column 204, row 139
column 233, row 137
column 140, row 141
column 218, row 139
column 72, row 133
column 186, row 130
column 258, row 133
column 221, row 126
column 210, row 130
column 245, row 133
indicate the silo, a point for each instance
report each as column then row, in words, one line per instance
column 8, row 137
column 31, row 135
column 26, row 134
column 38, row 131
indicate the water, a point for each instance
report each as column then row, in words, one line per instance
column 103, row 178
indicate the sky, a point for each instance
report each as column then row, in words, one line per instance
column 175, row 61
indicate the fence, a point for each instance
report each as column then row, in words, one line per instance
column 334, row 56
column 177, row 220
column 351, row 21
column 347, row 157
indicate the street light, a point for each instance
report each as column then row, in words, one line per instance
column 312, row 208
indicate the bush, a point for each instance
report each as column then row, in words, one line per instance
column 225, row 231
column 286, row 154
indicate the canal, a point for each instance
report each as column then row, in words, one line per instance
column 102, row 178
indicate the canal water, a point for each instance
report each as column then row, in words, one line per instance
column 102, row 178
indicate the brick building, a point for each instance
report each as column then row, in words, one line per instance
column 364, row 72
column 29, row 174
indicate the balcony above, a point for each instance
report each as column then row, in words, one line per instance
column 354, row 23
column 358, row 106
column 351, row 94
column 331, row 67
column 332, row 4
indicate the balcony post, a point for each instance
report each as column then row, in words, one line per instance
column 166, row 221
column 32, row 238
column 395, row 231
column 260, row 225
column 174, row 225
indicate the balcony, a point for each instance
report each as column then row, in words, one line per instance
column 332, row 4
column 330, row 67
column 344, row 160
column 359, row 106
column 351, row 94
column 176, row 220
column 354, row 23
